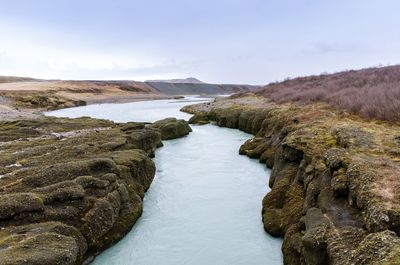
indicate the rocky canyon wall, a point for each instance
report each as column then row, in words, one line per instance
column 335, row 191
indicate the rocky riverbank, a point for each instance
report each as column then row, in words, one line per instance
column 335, row 195
column 69, row 188
column 27, row 97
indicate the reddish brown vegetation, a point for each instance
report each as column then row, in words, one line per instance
column 370, row 93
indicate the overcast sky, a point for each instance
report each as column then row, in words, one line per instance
column 220, row 41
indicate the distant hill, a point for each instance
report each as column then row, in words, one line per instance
column 198, row 88
column 189, row 80
column 13, row 79
column 91, row 89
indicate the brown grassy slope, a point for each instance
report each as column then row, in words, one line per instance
column 77, row 86
column 11, row 79
column 61, row 94
column 371, row 93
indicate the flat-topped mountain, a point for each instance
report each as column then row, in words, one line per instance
column 193, row 86
column 189, row 80
column 198, row 88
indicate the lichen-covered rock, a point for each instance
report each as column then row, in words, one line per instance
column 341, row 242
column 41, row 249
column 92, row 182
column 77, row 188
column 335, row 191
column 16, row 203
column 171, row 128
column 146, row 139
column 335, row 158
column 199, row 119
column 272, row 221
column 275, row 212
column 340, row 183
column 292, row 245
column 140, row 167
column 377, row 248
column 353, row 137
column 226, row 117
column 314, row 246
column 98, row 221
column 315, row 236
column 61, row 191
column 255, row 147
column 36, row 100
column 42, row 243
column 132, row 126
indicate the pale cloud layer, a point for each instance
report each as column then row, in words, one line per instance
column 253, row 41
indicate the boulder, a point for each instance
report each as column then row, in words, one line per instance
column 172, row 128
column 42, row 244
column 199, row 119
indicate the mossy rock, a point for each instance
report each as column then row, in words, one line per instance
column 62, row 191
column 147, row 139
column 335, row 158
column 378, row 248
column 140, row 167
column 43, row 100
column 292, row 247
column 268, row 156
column 255, row 147
column 393, row 257
column 40, row 249
column 65, row 178
column 98, row 221
column 336, row 164
column 14, row 237
column 227, row 117
column 340, row 183
column 52, row 174
column 13, row 204
column 171, row 128
column 341, row 243
column 315, row 246
column 272, row 220
column 92, row 182
column 351, row 137
column 199, row 119
column 132, row 126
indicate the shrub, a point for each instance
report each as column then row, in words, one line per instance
column 372, row 93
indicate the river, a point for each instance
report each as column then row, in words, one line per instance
column 204, row 205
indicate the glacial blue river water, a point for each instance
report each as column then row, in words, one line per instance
column 204, row 206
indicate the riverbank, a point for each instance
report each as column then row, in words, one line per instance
column 17, row 106
column 26, row 97
column 334, row 183
column 69, row 188
column 334, row 196
column 199, row 209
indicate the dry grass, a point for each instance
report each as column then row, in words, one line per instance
column 12, row 79
column 372, row 93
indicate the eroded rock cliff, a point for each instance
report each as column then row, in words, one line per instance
column 69, row 188
column 335, row 195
